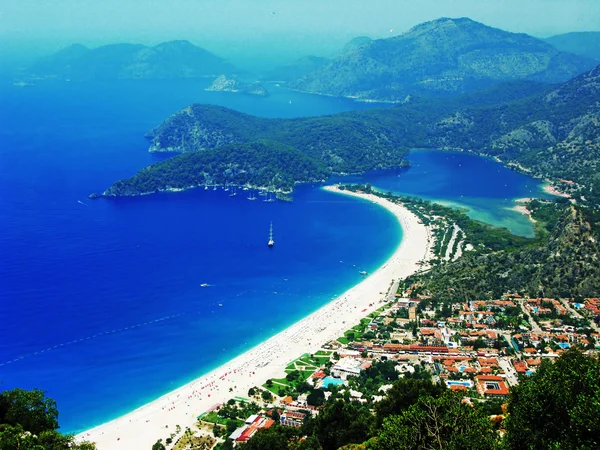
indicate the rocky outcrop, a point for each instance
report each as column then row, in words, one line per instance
column 231, row 84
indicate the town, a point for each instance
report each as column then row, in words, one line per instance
column 480, row 348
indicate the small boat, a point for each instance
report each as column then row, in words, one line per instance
column 363, row 272
column 204, row 285
column 233, row 194
column 271, row 242
column 252, row 196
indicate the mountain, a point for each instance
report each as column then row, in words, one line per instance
column 175, row 59
column 441, row 56
column 548, row 131
column 586, row 44
column 356, row 42
column 296, row 69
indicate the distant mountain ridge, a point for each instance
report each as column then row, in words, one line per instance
column 583, row 43
column 174, row 59
column 441, row 56
column 296, row 69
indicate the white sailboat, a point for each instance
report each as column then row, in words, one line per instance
column 271, row 242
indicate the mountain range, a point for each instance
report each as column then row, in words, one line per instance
column 174, row 59
column 584, row 43
column 442, row 56
column 549, row 131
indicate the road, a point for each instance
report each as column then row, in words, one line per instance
column 509, row 370
column 575, row 314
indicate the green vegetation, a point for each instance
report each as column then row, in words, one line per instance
column 557, row 407
column 561, row 262
column 549, row 132
column 29, row 421
column 262, row 163
column 453, row 55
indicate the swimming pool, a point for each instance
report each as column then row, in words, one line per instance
column 564, row 345
column 329, row 381
column 465, row 383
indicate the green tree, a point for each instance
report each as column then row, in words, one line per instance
column 443, row 423
column 557, row 407
column 30, row 409
column 276, row 437
column 29, row 421
column 316, row 397
column 404, row 393
column 158, row 445
column 340, row 423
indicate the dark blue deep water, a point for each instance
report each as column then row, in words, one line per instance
column 481, row 186
column 101, row 301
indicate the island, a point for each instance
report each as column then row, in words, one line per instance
column 231, row 84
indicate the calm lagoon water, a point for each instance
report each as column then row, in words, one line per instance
column 480, row 185
column 101, row 302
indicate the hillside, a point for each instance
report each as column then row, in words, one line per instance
column 261, row 163
column 206, row 135
column 563, row 264
column 552, row 133
column 584, row 43
column 441, row 56
column 296, row 69
column 175, row 59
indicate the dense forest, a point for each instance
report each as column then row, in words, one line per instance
column 262, row 163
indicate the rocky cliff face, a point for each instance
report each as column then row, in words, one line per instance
column 445, row 55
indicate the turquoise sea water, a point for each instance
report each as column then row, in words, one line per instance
column 101, row 301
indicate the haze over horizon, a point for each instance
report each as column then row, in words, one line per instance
column 251, row 31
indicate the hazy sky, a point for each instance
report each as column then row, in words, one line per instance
column 237, row 27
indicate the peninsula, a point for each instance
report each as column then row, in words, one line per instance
column 523, row 130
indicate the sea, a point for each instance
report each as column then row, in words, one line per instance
column 108, row 304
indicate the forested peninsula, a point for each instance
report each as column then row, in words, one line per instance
column 552, row 133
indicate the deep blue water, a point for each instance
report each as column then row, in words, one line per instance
column 101, row 303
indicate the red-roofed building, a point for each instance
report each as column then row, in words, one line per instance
column 491, row 385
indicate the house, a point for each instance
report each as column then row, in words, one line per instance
column 349, row 367
column 491, row 386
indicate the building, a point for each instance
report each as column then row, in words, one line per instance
column 491, row 386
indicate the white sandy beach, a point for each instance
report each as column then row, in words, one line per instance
column 141, row 428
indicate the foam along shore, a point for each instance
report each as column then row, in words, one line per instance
column 141, row 428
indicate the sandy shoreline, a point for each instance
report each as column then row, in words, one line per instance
column 141, row 428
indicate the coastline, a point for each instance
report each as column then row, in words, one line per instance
column 142, row 427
